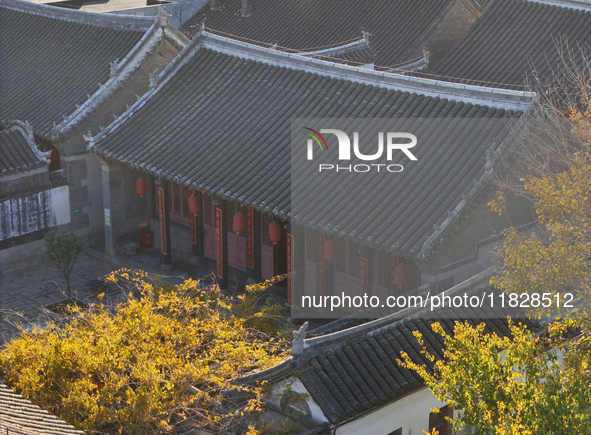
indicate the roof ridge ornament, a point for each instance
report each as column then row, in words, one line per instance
column 298, row 340
column 26, row 129
column 426, row 54
column 202, row 23
column 162, row 17
column 114, row 69
column 365, row 34
column 154, row 78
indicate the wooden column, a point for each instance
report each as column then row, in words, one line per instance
column 196, row 224
column 221, row 229
column 163, row 196
column 298, row 263
column 253, row 242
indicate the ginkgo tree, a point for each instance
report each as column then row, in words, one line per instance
column 161, row 361
column 535, row 382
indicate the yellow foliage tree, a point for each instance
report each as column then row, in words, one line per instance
column 162, row 360
column 526, row 383
column 509, row 385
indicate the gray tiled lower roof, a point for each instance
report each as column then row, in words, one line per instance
column 18, row 416
column 397, row 26
column 360, row 375
column 511, row 38
column 51, row 58
column 17, row 153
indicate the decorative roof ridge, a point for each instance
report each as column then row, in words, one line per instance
column 500, row 98
column 323, row 341
column 120, row 22
column 495, row 97
column 24, row 128
column 339, row 49
column 121, row 70
column 580, row 5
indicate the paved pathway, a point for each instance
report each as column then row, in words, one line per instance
column 28, row 291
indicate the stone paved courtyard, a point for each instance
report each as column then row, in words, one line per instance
column 29, row 290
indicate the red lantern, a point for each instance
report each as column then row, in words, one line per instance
column 239, row 223
column 400, row 275
column 330, row 250
column 274, row 232
column 141, row 187
column 194, row 204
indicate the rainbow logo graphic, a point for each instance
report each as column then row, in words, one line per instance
column 316, row 138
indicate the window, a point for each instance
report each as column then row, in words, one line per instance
column 208, row 210
column 179, row 203
column 311, row 245
column 340, row 262
column 396, row 432
column 438, row 421
column 266, row 221
column 354, row 259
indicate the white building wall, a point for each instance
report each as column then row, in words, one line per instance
column 410, row 412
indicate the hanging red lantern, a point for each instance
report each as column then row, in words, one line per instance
column 141, row 187
column 274, row 232
column 400, row 275
column 239, row 223
column 194, row 204
column 330, row 250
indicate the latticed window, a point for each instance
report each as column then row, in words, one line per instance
column 229, row 215
column 383, row 268
column 207, row 210
column 179, row 204
column 340, row 262
column 311, row 245
column 438, row 421
column 266, row 220
column 354, row 259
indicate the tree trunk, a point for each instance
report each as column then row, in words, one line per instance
column 68, row 293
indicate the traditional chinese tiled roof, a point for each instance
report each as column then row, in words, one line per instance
column 356, row 53
column 398, row 27
column 18, row 416
column 52, row 58
column 360, row 374
column 18, row 151
column 513, row 37
column 220, row 121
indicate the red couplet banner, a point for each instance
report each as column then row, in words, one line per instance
column 218, row 232
column 161, row 210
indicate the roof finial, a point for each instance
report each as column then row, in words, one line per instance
column 426, row 54
column 154, row 78
column 365, row 35
column 114, row 68
column 202, row 24
column 162, row 17
column 298, row 340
